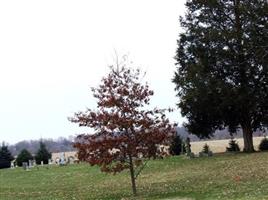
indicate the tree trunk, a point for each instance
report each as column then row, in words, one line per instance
column 133, row 180
column 248, row 139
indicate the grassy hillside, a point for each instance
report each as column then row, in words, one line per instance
column 230, row 176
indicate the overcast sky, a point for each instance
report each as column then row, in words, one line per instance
column 52, row 52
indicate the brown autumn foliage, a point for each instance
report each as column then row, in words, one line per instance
column 125, row 132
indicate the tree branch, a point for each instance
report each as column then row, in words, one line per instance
column 140, row 169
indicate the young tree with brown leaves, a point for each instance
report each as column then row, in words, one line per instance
column 126, row 134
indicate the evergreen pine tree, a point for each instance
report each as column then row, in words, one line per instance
column 263, row 146
column 24, row 156
column 222, row 75
column 42, row 154
column 233, row 146
column 177, row 146
column 206, row 149
column 5, row 157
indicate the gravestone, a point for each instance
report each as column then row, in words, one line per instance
column 42, row 163
column 12, row 165
column 71, row 160
column 62, row 159
column 25, row 165
column 30, row 163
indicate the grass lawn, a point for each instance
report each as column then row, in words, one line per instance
column 229, row 176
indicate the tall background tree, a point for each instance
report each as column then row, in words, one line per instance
column 222, row 78
column 177, row 146
column 5, row 156
column 125, row 133
column 42, row 154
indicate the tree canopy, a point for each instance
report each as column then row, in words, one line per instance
column 222, row 78
column 126, row 132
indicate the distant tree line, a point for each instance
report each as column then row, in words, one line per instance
column 57, row 145
column 42, row 155
column 63, row 144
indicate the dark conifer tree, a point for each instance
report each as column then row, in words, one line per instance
column 42, row 154
column 177, row 146
column 24, row 156
column 5, row 157
column 222, row 58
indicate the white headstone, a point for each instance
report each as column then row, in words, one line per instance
column 30, row 163
column 12, row 165
column 62, row 159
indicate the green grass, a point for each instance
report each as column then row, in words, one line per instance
column 229, row 176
